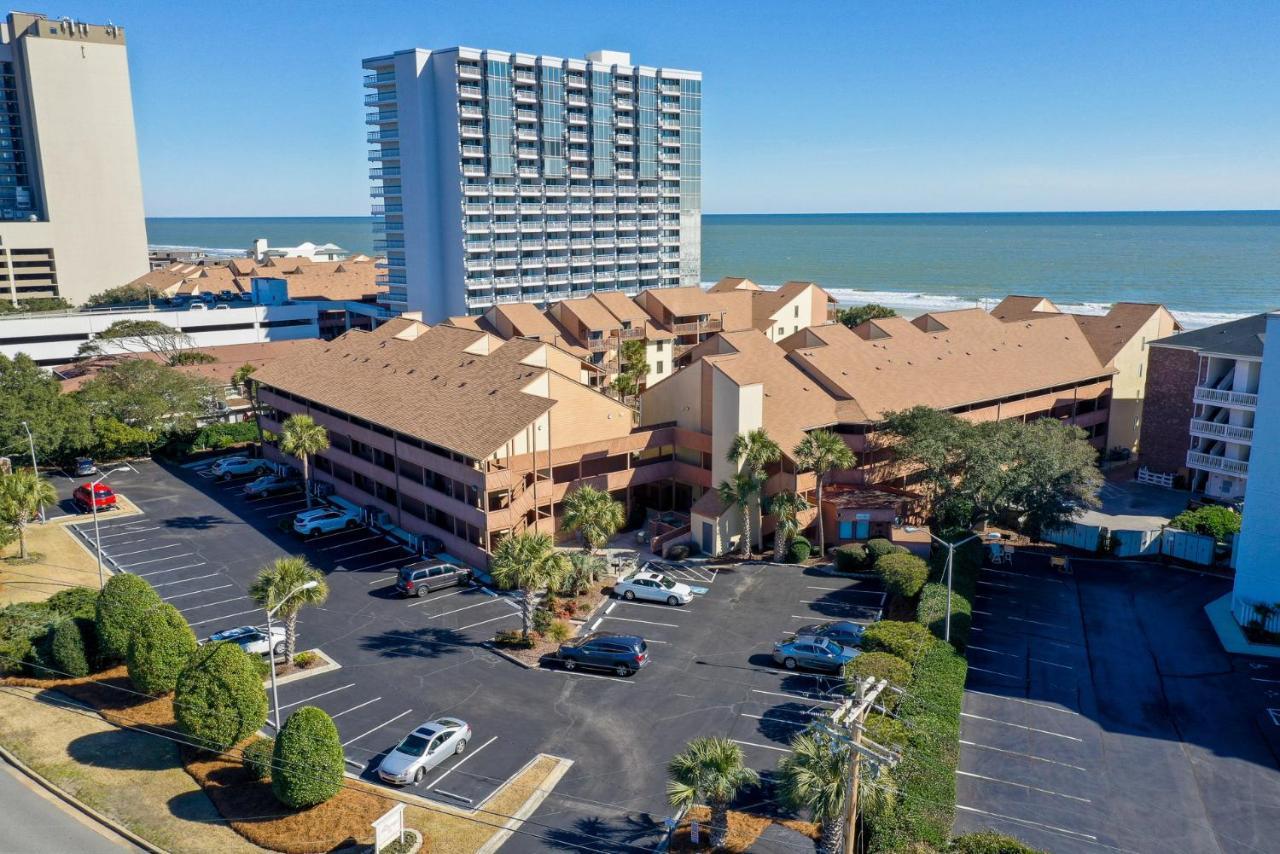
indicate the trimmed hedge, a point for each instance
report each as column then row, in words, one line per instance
column 851, row 557
column 67, row 649
column 880, row 665
column 74, row 602
column 258, row 755
column 903, row 574
column 799, row 550
column 22, row 626
column 908, row 641
column 308, row 760
column 886, row 731
column 932, row 609
column 124, row 600
column 878, row 547
column 160, row 648
column 212, row 437
column 219, row 700
column 987, row 842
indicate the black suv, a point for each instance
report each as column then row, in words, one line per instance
column 623, row 654
column 426, row 575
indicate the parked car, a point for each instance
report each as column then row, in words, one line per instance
column 229, row 467
column 653, row 586
column 424, row 749
column 423, row 576
column 104, row 497
column 197, row 306
column 252, row 640
column 843, row 632
column 85, row 467
column 324, row 520
column 623, row 654
column 813, row 653
column 272, row 484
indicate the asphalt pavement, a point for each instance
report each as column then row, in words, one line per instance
column 35, row 820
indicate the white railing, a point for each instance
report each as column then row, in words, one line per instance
column 1218, row 430
column 1224, row 397
column 1210, row 462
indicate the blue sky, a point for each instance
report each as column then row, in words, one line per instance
column 248, row 109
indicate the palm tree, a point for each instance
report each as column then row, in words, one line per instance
column 530, row 563
column 785, row 506
column 277, row 581
column 710, row 769
column 739, row 491
column 593, row 515
column 302, row 437
column 22, row 494
column 814, row 776
column 755, row 449
column 820, row 452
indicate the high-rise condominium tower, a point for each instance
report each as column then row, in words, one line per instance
column 502, row 177
column 71, row 219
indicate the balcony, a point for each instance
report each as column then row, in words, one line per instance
column 625, row 122
column 375, row 98
column 1224, row 397
column 526, row 134
column 470, row 111
column 384, row 154
column 577, row 118
column 623, row 84
column 1216, row 430
column 576, row 81
column 624, row 104
column 1222, row 465
column 469, row 92
column 475, row 189
column 526, row 115
column 467, row 71
column 711, row 324
column 526, row 96
column 384, row 172
column 503, row 190
column 380, row 210
column 379, row 78
column 471, row 132
column 380, row 135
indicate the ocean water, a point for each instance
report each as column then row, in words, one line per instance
column 1206, row 266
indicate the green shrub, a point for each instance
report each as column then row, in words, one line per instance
column 219, row 700
column 512, row 639
column 903, row 574
column 1217, row 522
column 932, row 609
column 908, row 641
column 878, row 548
column 67, row 650
column 260, row 666
column 22, row 624
column 880, row 665
column 257, row 756
column 799, row 550
column 679, row 552
column 851, row 557
column 160, row 648
column 74, row 602
column 560, row 631
column 886, row 731
column 542, row 620
column 308, row 762
column 987, row 842
column 214, row 436
column 306, row 658
column 123, row 601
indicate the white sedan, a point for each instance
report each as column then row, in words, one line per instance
column 654, row 587
column 424, row 749
column 252, row 639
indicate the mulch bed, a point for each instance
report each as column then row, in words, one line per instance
column 744, row 830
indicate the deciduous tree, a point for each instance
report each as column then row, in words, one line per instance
column 859, row 314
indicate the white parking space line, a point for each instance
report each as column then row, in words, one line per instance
column 878, row 594
column 89, row 533
column 350, row 543
column 396, row 547
column 1052, row 663
column 783, row 720
column 994, row 672
column 225, row 617
column 993, row 651
column 186, row 580
column 596, row 624
column 282, row 513
column 319, row 537
column 765, row 746
column 612, row 605
column 589, row 675
column 353, row 708
column 195, row 592
column 1032, row 756
column 456, row 610
column 862, row 621
column 378, row 727
column 172, row 569
column 438, row 598
column 380, row 564
column 1028, row 823
column 437, row 780
column 318, row 696
column 646, row 622
column 211, row 604
column 1022, row 575
column 482, row 622
column 384, row 579
column 1024, row 702
column 132, row 542
column 1023, row 786
column 266, row 505
column 1021, row 727
column 683, row 609
column 153, row 560
column 807, row 697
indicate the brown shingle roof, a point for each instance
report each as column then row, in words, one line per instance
column 592, row 313
column 733, row 283
column 1022, row 307
column 622, row 307
column 1107, row 333
column 767, row 303
column 230, row 358
column 352, row 279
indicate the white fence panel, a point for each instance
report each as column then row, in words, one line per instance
column 1136, row 543
column 1194, row 548
column 1075, row 535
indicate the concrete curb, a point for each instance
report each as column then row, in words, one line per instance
column 529, row 806
column 501, row 654
column 328, row 667
column 67, row 798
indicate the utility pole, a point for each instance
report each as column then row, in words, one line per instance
column 851, row 717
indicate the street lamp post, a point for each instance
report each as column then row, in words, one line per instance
column 951, row 554
column 93, row 503
column 35, row 469
column 271, row 652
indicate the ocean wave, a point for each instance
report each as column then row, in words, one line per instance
column 208, row 250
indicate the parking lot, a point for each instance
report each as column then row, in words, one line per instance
column 1101, row 714
column 201, row 542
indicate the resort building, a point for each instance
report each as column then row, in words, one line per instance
column 71, row 219
column 461, row 436
column 966, row 362
column 1201, row 404
column 508, row 177
column 1120, row 338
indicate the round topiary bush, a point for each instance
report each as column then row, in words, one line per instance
column 878, row 548
column 120, row 607
column 880, row 665
column 308, row 761
column 76, row 602
column 160, row 648
column 850, row 557
column 908, row 641
column 67, row 650
column 258, row 755
column 799, row 550
column 903, row 574
column 219, row 700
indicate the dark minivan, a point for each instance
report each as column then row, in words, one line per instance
column 424, row 576
column 623, row 654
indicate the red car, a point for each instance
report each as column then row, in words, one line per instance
column 104, row 497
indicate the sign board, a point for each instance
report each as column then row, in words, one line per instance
column 694, row 830
column 388, row 828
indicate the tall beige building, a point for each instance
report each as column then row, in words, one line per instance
column 71, row 217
